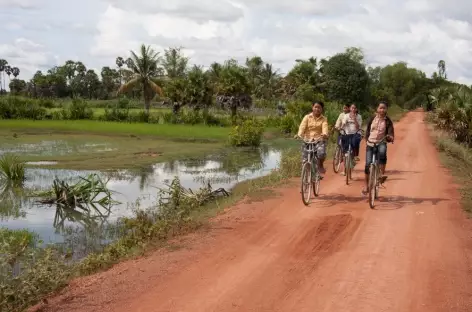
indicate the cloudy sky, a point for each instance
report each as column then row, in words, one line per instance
column 38, row 34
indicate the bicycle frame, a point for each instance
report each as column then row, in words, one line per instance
column 348, row 155
column 310, row 177
column 375, row 171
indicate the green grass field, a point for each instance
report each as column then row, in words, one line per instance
column 164, row 131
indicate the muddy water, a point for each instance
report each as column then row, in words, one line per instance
column 134, row 188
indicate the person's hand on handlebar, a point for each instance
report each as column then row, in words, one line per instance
column 389, row 138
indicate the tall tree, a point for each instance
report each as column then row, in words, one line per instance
column 345, row 80
column 174, row 63
column 442, row 69
column 3, row 64
column 233, row 88
column 145, row 69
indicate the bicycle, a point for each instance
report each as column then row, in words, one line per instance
column 311, row 177
column 348, row 156
column 374, row 175
column 337, row 156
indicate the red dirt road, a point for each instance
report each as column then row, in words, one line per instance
column 412, row 253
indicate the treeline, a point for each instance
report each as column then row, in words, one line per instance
column 343, row 78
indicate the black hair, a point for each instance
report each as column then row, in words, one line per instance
column 384, row 103
column 347, row 105
column 318, row 102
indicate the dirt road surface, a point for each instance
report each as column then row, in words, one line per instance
column 412, row 253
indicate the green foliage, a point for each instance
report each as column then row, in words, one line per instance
column 248, row 133
column 453, row 113
column 345, row 79
column 88, row 193
column 12, row 107
column 12, row 170
column 77, row 110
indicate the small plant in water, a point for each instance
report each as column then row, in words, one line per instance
column 12, row 170
column 89, row 192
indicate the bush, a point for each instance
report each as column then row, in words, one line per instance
column 12, row 107
column 77, row 110
column 115, row 114
column 248, row 133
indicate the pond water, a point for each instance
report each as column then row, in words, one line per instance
column 133, row 188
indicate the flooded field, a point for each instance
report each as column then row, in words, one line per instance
column 135, row 188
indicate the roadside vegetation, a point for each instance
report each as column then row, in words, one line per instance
column 452, row 120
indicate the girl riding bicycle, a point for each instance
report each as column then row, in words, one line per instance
column 351, row 124
column 378, row 127
column 314, row 127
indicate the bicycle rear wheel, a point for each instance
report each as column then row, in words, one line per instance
column 306, row 183
column 372, row 185
column 337, row 159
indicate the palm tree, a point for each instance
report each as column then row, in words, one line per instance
column 144, row 72
column 120, row 62
column 15, row 71
column 3, row 64
column 175, row 63
column 269, row 78
column 8, row 70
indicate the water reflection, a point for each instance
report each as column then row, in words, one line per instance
column 223, row 169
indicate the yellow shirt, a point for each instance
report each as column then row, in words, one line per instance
column 311, row 127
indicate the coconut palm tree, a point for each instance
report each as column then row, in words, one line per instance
column 144, row 72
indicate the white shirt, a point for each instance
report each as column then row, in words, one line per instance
column 339, row 120
column 348, row 124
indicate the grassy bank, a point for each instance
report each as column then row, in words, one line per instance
column 167, row 131
column 45, row 270
column 458, row 159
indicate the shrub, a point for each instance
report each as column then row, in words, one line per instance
column 77, row 110
column 248, row 133
column 115, row 114
column 12, row 107
column 12, row 170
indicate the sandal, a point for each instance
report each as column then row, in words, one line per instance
column 365, row 191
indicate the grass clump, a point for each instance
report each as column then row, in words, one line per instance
column 248, row 133
column 12, row 170
column 89, row 192
column 27, row 273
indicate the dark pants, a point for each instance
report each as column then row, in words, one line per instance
column 354, row 140
column 381, row 154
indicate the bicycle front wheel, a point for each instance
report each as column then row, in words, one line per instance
column 372, row 185
column 316, row 181
column 377, row 183
column 347, row 167
column 306, row 183
column 337, row 159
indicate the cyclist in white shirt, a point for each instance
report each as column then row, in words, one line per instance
column 337, row 125
column 351, row 124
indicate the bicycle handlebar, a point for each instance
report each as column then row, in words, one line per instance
column 360, row 131
column 383, row 139
column 309, row 142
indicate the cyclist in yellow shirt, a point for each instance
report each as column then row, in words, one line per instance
column 314, row 127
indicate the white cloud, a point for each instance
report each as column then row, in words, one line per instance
column 419, row 32
column 23, row 4
column 27, row 55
